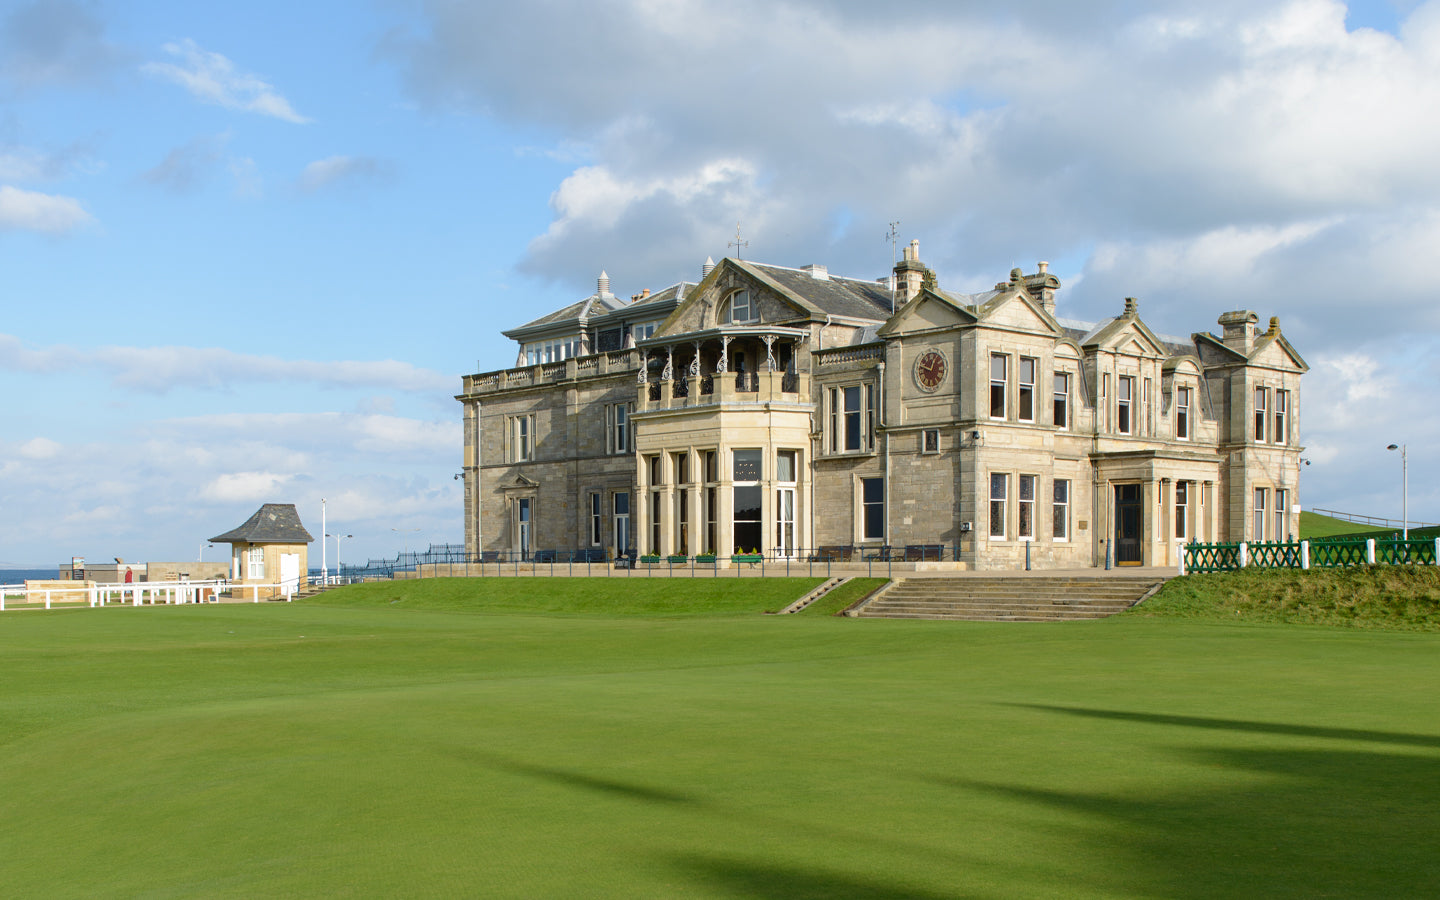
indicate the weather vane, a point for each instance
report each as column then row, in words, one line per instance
column 737, row 243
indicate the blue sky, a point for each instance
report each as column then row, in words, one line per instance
column 250, row 248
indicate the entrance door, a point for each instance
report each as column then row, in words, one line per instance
column 1129, row 523
column 289, row 572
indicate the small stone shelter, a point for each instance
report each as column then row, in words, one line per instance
column 270, row 549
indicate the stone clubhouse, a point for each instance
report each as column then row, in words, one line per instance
column 796, row 413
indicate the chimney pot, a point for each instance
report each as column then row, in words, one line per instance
column 1044, row 267
column 602, row 284
column 707, row 267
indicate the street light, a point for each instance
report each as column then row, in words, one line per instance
column 338, row 538
column 1404, row 491
column 405, row 534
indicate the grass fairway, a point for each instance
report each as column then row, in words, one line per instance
column 438, row 747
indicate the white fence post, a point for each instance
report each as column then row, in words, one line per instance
column 1244, row 554
column 1305, row 555
column 1370, row 551
column 1437, row 551
column 47, row 598
column 1180, row 547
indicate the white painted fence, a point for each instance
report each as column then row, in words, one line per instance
column 141, row 593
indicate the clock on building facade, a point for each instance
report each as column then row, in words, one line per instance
column 930, row 370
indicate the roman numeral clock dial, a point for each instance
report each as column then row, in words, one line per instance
column 930, row 371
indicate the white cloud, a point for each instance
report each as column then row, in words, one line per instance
column 160, row 369
column 160, row 488
column 22, row 210
column 212, row 78
column 334, row 169
column 245, row 487
column 40, row 448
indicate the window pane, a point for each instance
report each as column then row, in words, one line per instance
column 785, row 465
column 873, row 499
column 747, row 465
column 998, row 490
column 1060, row 527
column 747, row 519
column 852, row 418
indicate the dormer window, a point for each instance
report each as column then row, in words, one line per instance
column 739, row 309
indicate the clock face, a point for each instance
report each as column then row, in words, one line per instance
column 930, row 370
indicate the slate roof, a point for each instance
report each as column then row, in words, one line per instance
column 594, row 309
column 273, row 523
column 837, row 295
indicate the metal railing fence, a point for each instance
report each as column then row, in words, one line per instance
column 1321, row 553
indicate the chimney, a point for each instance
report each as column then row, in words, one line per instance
column 602, row 284
column 707, row 267
column 1239, row 328
column 1132, row 307
column 911, row 274
column 817, row 272
column 1042, row 286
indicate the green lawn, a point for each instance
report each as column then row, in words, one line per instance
column 1314, row 525
column 445, row 746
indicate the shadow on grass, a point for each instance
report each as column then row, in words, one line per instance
column 1242, row 725
column 1284, row 821
column 595, row 784
column 774, row 881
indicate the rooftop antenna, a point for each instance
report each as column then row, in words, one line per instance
column 737, row 243
column 894, row 235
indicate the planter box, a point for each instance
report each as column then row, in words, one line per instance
column 705, row 559
column 677, row 560
column 747, row 558
column 649, row 560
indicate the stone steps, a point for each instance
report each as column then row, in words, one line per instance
column 1018, row 599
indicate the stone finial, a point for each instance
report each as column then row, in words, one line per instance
column 1132, row 306
column 1274, row 324
column 1016, row 276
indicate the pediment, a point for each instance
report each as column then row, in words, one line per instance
column 1015, row 308
column 1274, row 351
column 926, row 311
column 1065, row 348
column 1129, row 336
column 1182, row 365
column 520, row 483
column 701, row 309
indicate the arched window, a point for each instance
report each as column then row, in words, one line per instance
column 739, row 309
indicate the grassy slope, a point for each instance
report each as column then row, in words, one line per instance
column 1392, row 597
column 374, row 749
column 843, row 596
column 614, row 596
column 1314, row 525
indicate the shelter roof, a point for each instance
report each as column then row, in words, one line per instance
column 273, row 523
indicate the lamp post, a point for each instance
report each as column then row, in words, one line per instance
column 324, row 570
column 338, row 538
column 1404, row 491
